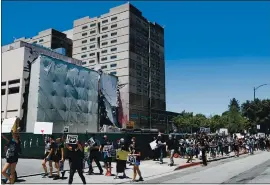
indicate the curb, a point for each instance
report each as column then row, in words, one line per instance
column 198, row 163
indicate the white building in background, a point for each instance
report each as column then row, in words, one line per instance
column 14, row 60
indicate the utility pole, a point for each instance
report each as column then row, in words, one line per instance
column 256, row 88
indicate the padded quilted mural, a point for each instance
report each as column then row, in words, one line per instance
column 67, row 95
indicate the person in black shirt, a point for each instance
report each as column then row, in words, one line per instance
column 170, row 147
column 160, row 147
column 94, row 154
column 76, row 159
column 12, row 156
column 203, row 146
column 53, row 155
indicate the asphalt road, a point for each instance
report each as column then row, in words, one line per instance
column 243, row 170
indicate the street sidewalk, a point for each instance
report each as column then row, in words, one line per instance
column 30, row 171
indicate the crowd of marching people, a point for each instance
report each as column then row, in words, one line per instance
column 78, row 154
column 204, row 146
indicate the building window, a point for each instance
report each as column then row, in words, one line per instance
column 114, row 26
column 91, row 61
column 92, row 54
column 113, row 73
column 113, row 57
column 92, row 46
column 104, row 51
column 104, row 43
column 92, row 39
column 84, row 27
column 13, row 90
column 103, row 67
column 84, row 41
column 104, row 36
column 113, row 49
column 41, row 40
column 83, row 56
column 113, row 18
column 92, row 25
column 93, row 31
column 15, row 110
column 104, row 28
column 113, row 41
column 113, row 34
column 3, row 83
column 104, row 58
column 83, row 63
column 14, row 81
column 84, row 48
column 104, row 21
column 113, row 65
column 84, row 34
column 3, row 92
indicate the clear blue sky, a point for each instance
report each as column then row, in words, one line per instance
column 214, row 50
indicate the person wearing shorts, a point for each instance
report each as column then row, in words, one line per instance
column 136, row 153
column 12, row 156
column 46, row 153
column 106, row 148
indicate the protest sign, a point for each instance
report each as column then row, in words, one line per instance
column 43, row 128
column 72, row 139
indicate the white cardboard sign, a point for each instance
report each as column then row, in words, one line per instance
column 43, row 128
column 153, row 145
column 8, row 124
column 72, row 139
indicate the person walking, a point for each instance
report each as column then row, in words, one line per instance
column 94, row 154
column 106, row 148
column 160, row 147
column 86, row 152
column 53, row 155
column 76, row 157
column 170, row 147
column 203, row 146
column 45, row 160
column 136, row 155
column 12, row 156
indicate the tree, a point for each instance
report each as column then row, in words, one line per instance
column 234, row 105
column 258, row 113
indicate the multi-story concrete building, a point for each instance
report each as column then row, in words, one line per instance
column 52, row 39
column 14, row 62
column 126, row 44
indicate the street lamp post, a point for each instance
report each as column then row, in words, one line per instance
column 256, row 88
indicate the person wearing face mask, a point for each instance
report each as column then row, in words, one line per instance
column 170, row 147
column 160, row 147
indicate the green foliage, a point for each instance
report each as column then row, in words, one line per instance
column 237, row 118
